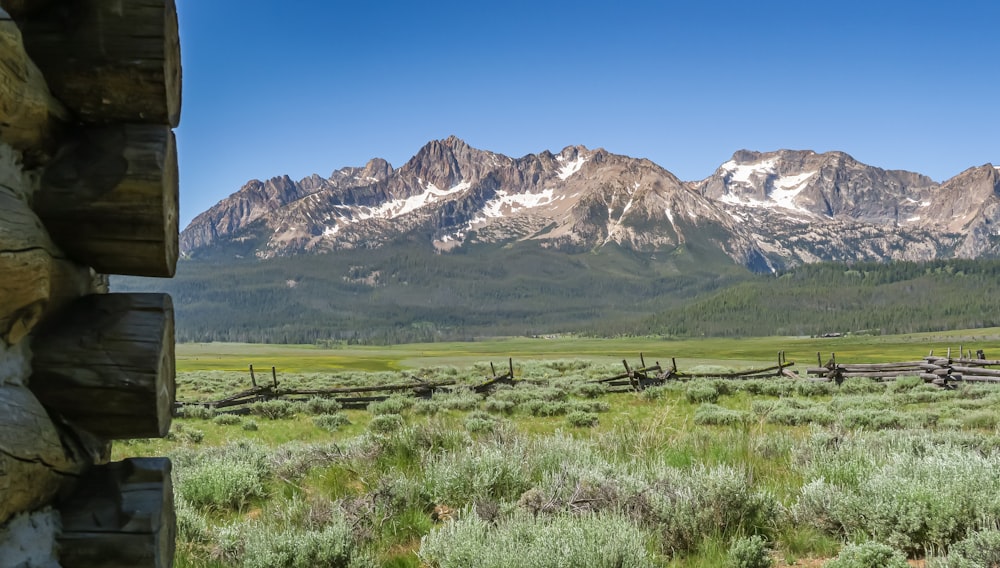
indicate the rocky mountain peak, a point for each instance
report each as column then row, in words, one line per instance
column 762, row 209
column 377, row 169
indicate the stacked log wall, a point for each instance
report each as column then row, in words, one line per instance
column 89, row 93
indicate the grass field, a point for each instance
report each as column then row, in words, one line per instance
column 553, row 472
column 689, row 352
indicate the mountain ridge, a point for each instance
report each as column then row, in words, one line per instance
column 763, row 210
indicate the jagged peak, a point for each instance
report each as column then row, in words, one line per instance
column 378, row 169
column 455, row 142
column 986, row 170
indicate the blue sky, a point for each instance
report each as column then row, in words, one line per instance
column 299, row 87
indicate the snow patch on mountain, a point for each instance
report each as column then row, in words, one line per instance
column 787, row 188
column 400, row 207
column 506, row 203
column 570, row 168
column 742, row 173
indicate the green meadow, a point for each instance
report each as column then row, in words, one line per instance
column 723, row 351
column 556, row 471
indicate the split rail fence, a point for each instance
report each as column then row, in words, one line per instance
column 945, row 372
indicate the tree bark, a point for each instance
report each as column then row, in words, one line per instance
column 110, row 199
column 106, row 363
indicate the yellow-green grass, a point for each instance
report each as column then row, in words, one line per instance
column 731, row 353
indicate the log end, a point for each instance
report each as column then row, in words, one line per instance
column 106, row 363
column 110, row 200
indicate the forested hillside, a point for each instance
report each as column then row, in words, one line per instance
column 407, row 294
column 900, row 297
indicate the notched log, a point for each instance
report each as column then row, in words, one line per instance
column 122, row 515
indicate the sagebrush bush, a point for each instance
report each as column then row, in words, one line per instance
column 181, row 433
column 861, row 385
column 814, row 388
column 892, row 489
column 487, row 471
column 713, row 414
column 249, row 425
column 902, row 384
column 391, row 405
column 459, row 400
column 868, row 555
column 385, row 423
column 589, row 406
column 427, row 406
column 595, row 541
column 192, row 526
column 769, row 387
column 650, row 394
column 590, row 390
column 749, row 552
column 226, row 419
column 292, row 547
column 273, row 409
column 499, row 406
column 582, row 419
column 478, row 421
column 701, row 392
column 320, row 405
column 980, row 549
column 196, row 411
column 687, row 504
column 331, row 422
column 228, row 477
column 541, row 407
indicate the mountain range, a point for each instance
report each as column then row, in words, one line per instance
column 766, row 211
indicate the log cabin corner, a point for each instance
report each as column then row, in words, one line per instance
column 90, row 91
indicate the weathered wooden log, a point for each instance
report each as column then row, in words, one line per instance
column 30, row 117
column 976, row 371
column 879, row 374
column 980, row 379
column 106, row 363
column 882, row 366
column 110, row 199
column 936, row 379
column 121, row 516
column 36, row 456
column 26, row 266
column 110, row 62
column 977, row 362
column 372, row 388
column 776, row 371
column 33, row 279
